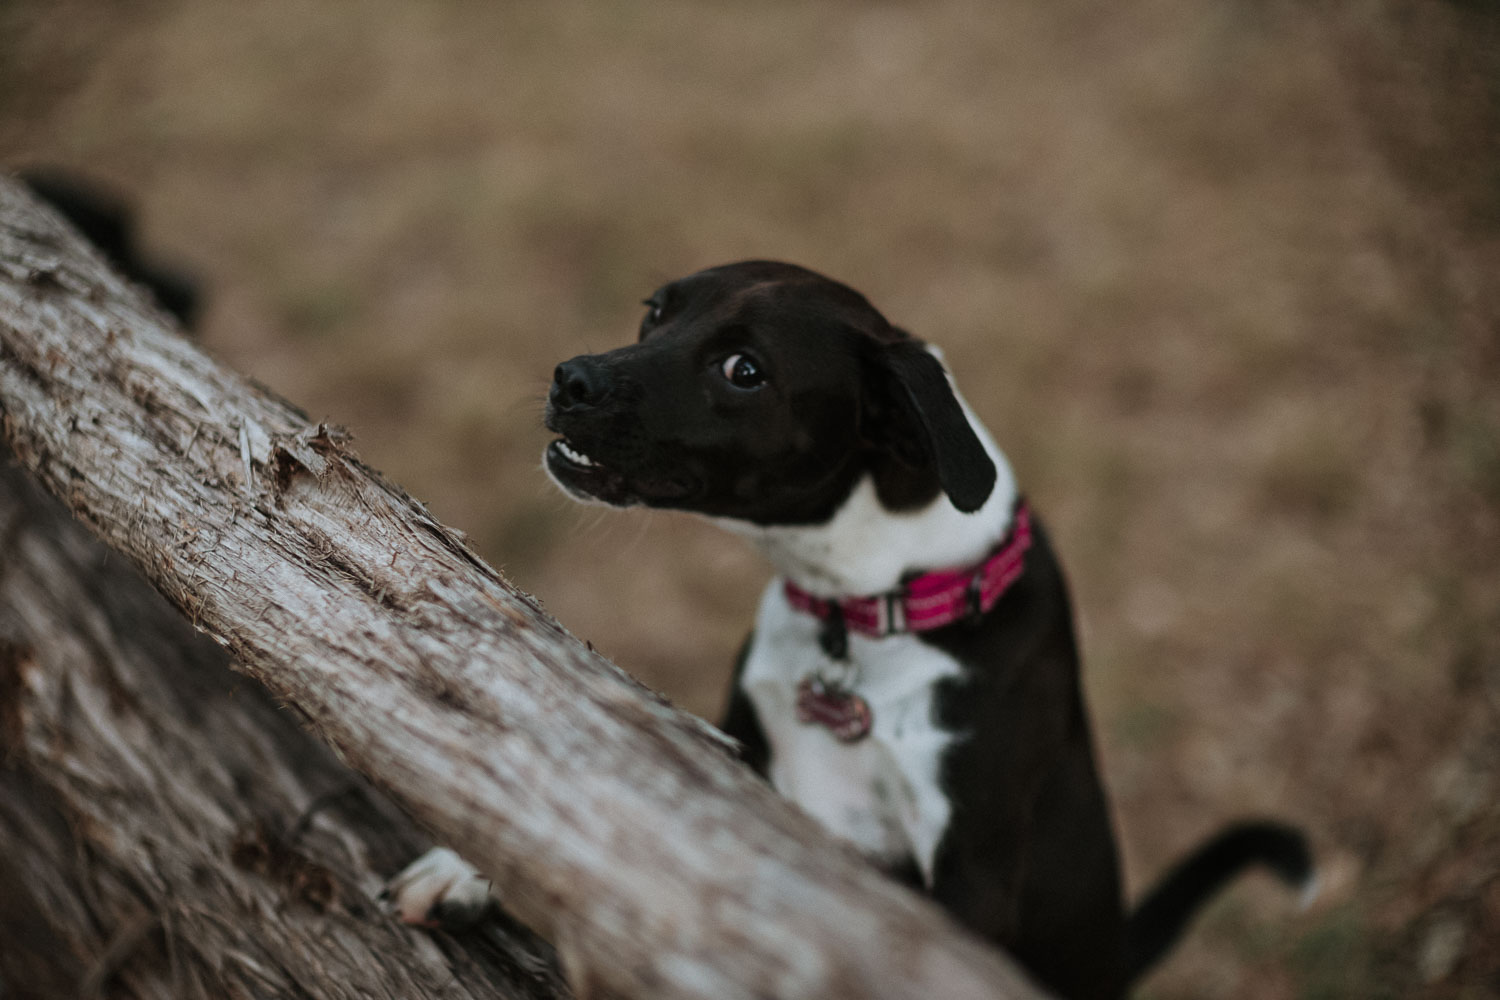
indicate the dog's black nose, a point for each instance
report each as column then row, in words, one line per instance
column 583, row 381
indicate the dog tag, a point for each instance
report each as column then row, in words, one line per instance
column 843, row 712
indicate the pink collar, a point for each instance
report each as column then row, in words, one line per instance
column 931, row 600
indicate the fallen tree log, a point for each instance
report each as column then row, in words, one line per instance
column 614, row 825
column 169, row 832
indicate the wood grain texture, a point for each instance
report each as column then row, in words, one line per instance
column 168, row 831
column 614, row 825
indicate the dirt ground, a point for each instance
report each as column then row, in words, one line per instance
column 1219, row 274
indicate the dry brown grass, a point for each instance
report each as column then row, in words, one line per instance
column 1220, row 276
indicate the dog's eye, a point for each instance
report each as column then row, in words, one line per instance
column 655, row 306
column 742, row 371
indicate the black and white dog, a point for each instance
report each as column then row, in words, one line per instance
column 912, row 680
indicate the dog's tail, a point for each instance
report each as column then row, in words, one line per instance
column 1161, row 917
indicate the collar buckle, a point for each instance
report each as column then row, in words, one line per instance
column 894, row 612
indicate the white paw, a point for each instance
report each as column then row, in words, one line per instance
column 439, row 889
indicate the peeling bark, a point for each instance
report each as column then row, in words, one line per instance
column 614, row 825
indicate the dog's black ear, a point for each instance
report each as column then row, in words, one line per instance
column 927, row 405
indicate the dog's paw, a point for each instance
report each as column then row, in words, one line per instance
column 439, row 889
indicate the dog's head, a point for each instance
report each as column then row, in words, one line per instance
column 763, row 392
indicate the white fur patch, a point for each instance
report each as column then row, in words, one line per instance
column 882, row 792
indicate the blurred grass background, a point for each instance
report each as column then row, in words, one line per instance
column 1219, row 274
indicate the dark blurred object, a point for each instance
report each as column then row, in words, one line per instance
column 108, row 222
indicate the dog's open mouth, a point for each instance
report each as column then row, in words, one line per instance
column 588, row 478
column 583, row 475
column 572, row 455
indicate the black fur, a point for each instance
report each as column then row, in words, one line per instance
column 1034, row 866
column 964, row 469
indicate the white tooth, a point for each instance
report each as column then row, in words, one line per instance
column 572, row 455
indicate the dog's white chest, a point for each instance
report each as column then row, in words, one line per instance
column 880, row 792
